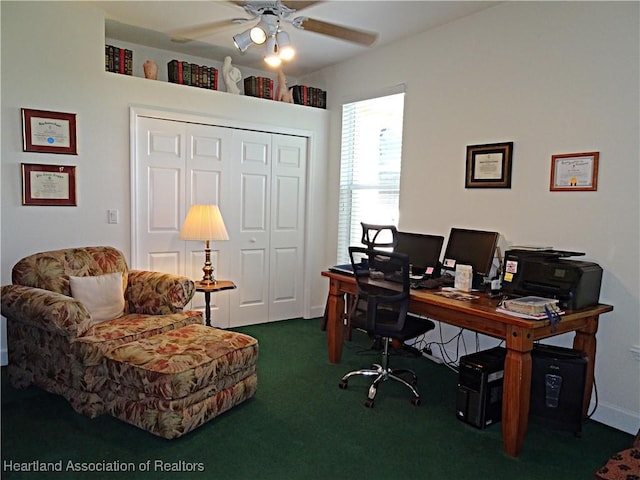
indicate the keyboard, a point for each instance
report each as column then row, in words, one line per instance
column 433, row 283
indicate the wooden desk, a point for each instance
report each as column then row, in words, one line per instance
column 481, row 316
column 207, row 288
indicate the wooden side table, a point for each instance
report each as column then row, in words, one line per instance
column 207, row 288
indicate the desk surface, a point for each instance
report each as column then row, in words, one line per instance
column 481, row 316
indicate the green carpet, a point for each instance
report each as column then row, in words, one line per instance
column 300, row 425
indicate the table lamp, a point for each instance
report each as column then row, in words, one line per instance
column 204, row 222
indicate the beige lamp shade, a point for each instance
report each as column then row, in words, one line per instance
column 204, row 222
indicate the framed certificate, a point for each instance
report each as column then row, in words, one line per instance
column 489, row 166
column 48, row 185
column 574, row 172
column 48, row 132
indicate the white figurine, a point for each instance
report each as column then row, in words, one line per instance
column 283, row 94
column 231, row 76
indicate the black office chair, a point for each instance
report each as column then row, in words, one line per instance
column 380, row 308
column 373, row 236
column 379, row 236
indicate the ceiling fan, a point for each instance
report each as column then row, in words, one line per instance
column 269, row 15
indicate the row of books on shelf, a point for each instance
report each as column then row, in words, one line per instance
column 261, row 87
column 191, row 74
column 118, row 60
column 309, row 96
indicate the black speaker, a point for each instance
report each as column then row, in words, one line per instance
column 558, row 377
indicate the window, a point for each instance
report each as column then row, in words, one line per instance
column 370, row 167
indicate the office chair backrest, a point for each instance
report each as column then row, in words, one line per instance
column 381, row 300
column 379, row 236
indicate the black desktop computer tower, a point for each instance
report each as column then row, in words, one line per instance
column 479, row 395
column 558, row 378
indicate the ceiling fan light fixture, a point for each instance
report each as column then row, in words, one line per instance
column 285, row 49
column 242, row 41
column 272, row 58
column 266, row 27
column 258, row 35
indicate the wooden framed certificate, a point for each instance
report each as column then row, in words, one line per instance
column 489, row 166
column 574, row 172
column 48, row 184
column 49, row 132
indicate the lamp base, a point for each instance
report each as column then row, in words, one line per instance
column 207, row 278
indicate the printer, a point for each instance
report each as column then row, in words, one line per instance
column 549, row 273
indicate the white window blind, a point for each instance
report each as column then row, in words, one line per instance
column 370, row 167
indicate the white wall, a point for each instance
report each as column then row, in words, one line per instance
column 553, row 77
column 53, row 59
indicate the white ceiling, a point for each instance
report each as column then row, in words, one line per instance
column 152, row 22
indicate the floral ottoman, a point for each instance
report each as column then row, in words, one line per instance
column 173, row 382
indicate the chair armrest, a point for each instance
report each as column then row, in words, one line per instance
column 44, row 309
column 157, row 293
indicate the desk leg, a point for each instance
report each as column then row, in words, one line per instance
column 516, row 389
column 207, row 307
column 335, row 328
column 585, row 340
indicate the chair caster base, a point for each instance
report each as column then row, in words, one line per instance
column 343, row 384
column 368, row 403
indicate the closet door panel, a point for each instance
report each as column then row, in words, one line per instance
column 250, row 225
column 159, row 197
column 208, row 177
column 287, row 227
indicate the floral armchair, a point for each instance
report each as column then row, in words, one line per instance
column 58, row 330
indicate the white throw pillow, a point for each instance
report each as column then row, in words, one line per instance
column 101, row 294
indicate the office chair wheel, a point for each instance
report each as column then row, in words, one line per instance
column 343, row 384
column 368, row 403
column 415, row 401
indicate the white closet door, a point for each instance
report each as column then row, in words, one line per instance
column 208, row 182
column 258, row 181
column 160, row 195
column 251, row 173
column 268, row 232
column 287, row 227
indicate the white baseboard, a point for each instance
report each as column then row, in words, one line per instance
column 4, row 358
column 616, row 417
column 316, row 312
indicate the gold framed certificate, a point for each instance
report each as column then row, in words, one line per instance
column 574, row 172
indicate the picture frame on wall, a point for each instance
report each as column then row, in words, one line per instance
column 48, row 185
column 49, row 132
column 574, row 172
column 489, row 165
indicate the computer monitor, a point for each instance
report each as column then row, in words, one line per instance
column 470, row 247
column 423, row 250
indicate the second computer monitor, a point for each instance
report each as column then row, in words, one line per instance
column 423, row 250
column 470, row 247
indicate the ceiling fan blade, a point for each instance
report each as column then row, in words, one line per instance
column 333, row 30
column 293, row 5
column 193, row 33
